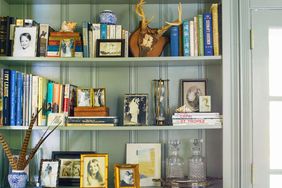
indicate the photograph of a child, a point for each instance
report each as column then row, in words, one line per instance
column 67, row 48
column 49, row 172
column 135, row 109
column 94, row 172
column 126, row 177
column 70, row 168
column 25, row 42
column 99, row 97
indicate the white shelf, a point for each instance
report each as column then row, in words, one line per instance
column 112, row 62
column 116, row 128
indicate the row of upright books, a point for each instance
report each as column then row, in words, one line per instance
column 22, row 95
column 197, row 118
column 198, row 37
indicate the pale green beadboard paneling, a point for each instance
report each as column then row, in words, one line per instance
column 147, row 137
column 52, row 73
column 214, row 87
column 265, row 4
column 50, row 14
column 79, row 13
column 143, row 84
column 4, row 8
column 214, row 153
column 175, row 74
column 113, row 143
column 80, row 141
column 116, row 85
column 185, row 147
column 17, row 10
column 80, row 77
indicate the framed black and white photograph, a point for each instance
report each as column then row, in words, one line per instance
column 69, row 174
column 205, row 103
column 135, row 109
column 127, row 175
column 67, row 47
column 110, row 48
column 190, row 92
column 99, row 97
column 25, row 42
column 84, row 97
column 49, row 172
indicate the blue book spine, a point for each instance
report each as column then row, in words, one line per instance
column 186, row 38
column 19, row 114
column 208, row 45
column 174, row 41
column 78, row 48
column 53, row 48
column 103, row 30
column 6, row 97
column 13, row 97
column 85, row 38
column 49, row 97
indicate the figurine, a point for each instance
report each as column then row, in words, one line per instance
column 68, row 26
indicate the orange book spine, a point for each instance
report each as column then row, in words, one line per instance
column 64, row 34
column 56, row 98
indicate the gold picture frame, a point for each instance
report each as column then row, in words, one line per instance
column 127, row 176
column 90, row 163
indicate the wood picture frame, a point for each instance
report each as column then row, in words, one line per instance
column 190, row 92
column 49, row 172
column 110, row 48
column 94, row 170
column 126, row 175
column 69, row 163
column 135, row 109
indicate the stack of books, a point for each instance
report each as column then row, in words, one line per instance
column 200, row 118
column 93, row 121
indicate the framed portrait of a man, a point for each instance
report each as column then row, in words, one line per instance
column 126, row 175
column 48, row 174
column 69, row 174
column 94, row 170
column 191, row 90
column 25, row 42
column 135, row 109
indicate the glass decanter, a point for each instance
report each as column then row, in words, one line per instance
column 175, row 163
column 197, row 163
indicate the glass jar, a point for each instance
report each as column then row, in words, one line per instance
column 175, row 163
column 197, row 163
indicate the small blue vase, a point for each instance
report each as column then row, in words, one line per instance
column 108, row 17
column 17, row 179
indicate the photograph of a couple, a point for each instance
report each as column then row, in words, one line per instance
column 135, row 109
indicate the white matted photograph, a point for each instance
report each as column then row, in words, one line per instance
column 49, row 172
column 25, row 42
column 205, row 103
column 148, row 156
column 191, row 90
column 135, row 109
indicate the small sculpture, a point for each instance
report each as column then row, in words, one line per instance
column 68, row 26
column 146, row 41
column 183, row 109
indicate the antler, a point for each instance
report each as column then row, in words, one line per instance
column 174, row 23
column 140, row 12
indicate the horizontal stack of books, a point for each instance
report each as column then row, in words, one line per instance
column 198, row 37
column 93, row 121
column 200, row 118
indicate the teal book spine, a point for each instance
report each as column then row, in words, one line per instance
column 49, row 97
column 186, row 38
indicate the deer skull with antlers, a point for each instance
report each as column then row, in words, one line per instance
column 146, row 41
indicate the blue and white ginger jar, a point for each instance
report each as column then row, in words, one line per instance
column 17, row 179
column 108, row 17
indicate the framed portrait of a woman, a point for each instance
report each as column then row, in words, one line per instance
column 94, row 170
column 191, row 90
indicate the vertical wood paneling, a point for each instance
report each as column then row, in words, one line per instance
column 4, row 8
column 80, row 141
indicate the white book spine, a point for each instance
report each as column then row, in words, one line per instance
column 96, row 35
column 24, row 98
column 198, row 121
column 192, row 46
column 126, row 37
column 108, row 31
column 118, row 31
column 112, row 31
column 34, row 97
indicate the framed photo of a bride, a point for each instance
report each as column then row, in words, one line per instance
column 190, row 92
column 25, row 42
column 135, row 109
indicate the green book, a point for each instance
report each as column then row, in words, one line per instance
column 200, row 35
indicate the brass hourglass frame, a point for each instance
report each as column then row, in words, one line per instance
column 161, row 101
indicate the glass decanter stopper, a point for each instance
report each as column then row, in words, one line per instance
column 175, row 163
column 197, row 163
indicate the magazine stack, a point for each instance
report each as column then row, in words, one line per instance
column 197, row 118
